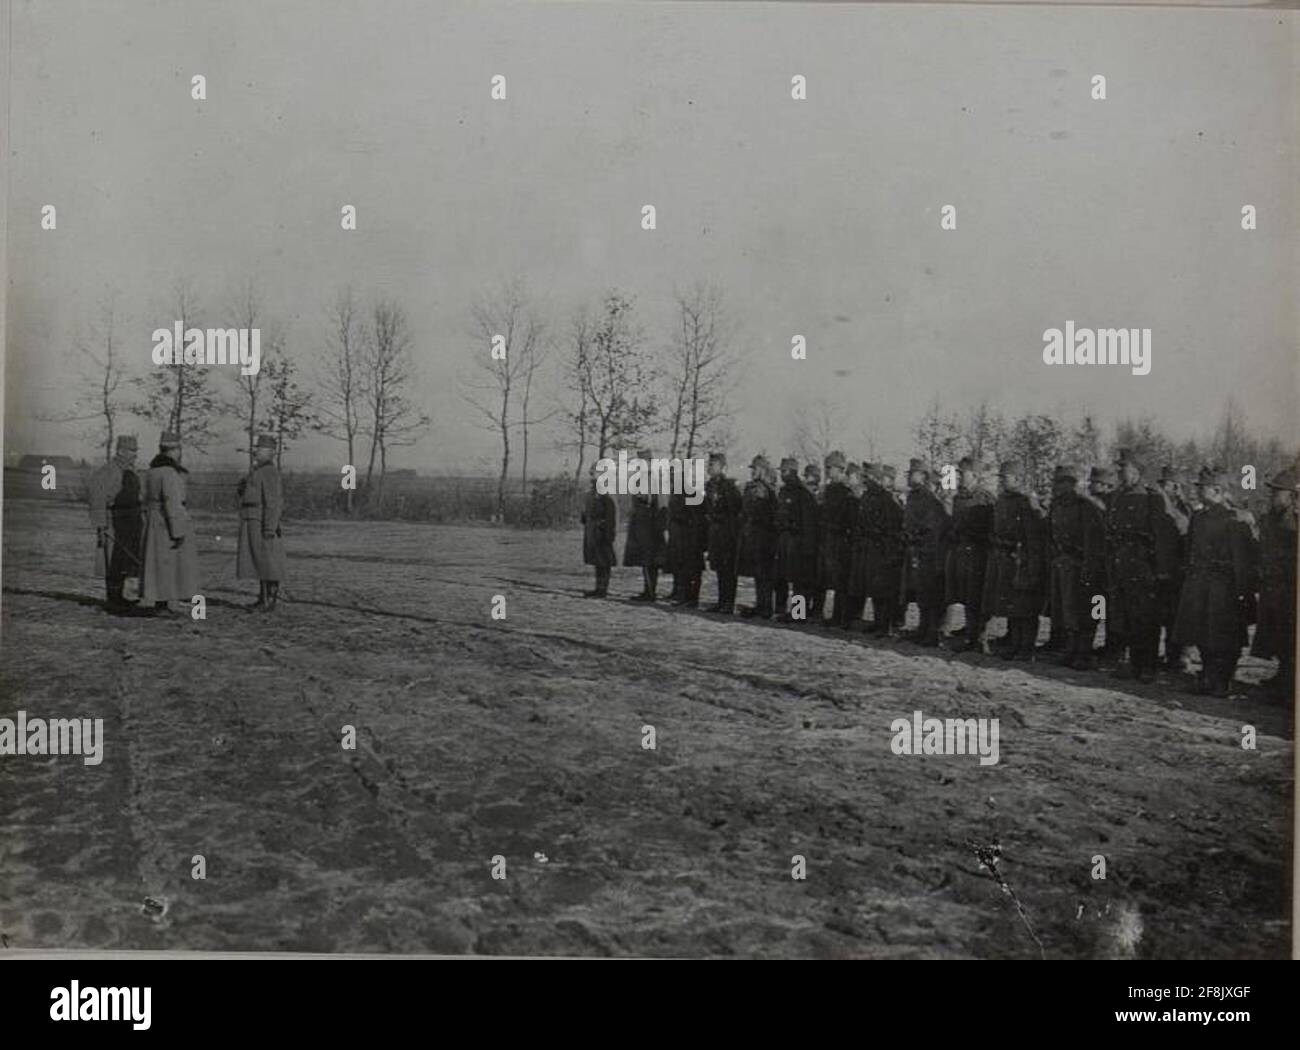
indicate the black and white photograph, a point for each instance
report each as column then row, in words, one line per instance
column 628, row 480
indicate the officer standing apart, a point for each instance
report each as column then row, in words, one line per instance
column 261, row 504
column 170, row 570
column 116, row 513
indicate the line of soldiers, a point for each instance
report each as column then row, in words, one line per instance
column 1137, row 555
column 143, row 527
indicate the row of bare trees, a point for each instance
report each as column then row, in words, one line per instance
column 611, row 386
column 363, row 393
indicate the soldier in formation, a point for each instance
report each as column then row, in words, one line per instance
column 599, row 526
column 722, row 509
column 756, row 544
column 1113, row 551
column 925, row 537
column 968, row 553
column 646, row 546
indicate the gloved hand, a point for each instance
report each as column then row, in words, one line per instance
column 177, row 541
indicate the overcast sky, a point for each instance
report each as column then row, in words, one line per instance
column 818, row 217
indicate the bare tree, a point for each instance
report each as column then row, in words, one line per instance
column 97, row 363
column 178, row 396
column 391, row 418
column 575, row 376
column 246, row 308
column 289, row 408
column 509, row 338
column 342, row 387
column 816, row 430
column 616, row 376
column 698, row 375
column 937, row 435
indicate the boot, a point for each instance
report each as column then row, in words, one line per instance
column 691, row 590
column 272, row 594
column 260, row 604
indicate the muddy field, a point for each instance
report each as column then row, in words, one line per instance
column 522, row 738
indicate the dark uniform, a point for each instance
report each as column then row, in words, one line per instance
column 688, row 531
column 1143, row 549
column 795, row 563
column 722, row 502
column 968, row 553
column 599, row 527
column 756, row 547
column 811, row 587
column 834, row 554
column 1101, row 491
column 1076, row 534
column 925, row 539
column 117, row 512
column 1219, row 576
column 878, row 552
column 1013, row 582
column 1168, row 591
column 1275, row 632
column 645, row 545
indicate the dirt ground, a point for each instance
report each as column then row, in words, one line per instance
column 522, row 738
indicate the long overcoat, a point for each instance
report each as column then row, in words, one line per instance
column 968, row 551
column 599, row 526
column 688, row 532
column 114, row 497
column 722, row 502
column 261, row 505
column 170, row 573
column 1212, row 606
column 925, row 537
column 1013, row 582
column 1275, row 632
column 839, row 510
column 877, row 544
column 645, row 544
column 1076, row 528
column 796, row 534
column 756, row 547
column 1143, row 544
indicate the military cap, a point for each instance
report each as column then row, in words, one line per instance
column 128, row 443
column 759, row 462
column 789, row 464
column 812, row 470
column 1167, row 473
column 1283, row 479
column 645, row 453
column 718, row 457
column 967, row 463
column 1125, row 458
column 915, row 465
column 853, row 468
column 265, row 441
column 1008, row 468
column 1102, row 474
column 169, row 438
column 836, row 459
column 888, row 471
column 1065, row 472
